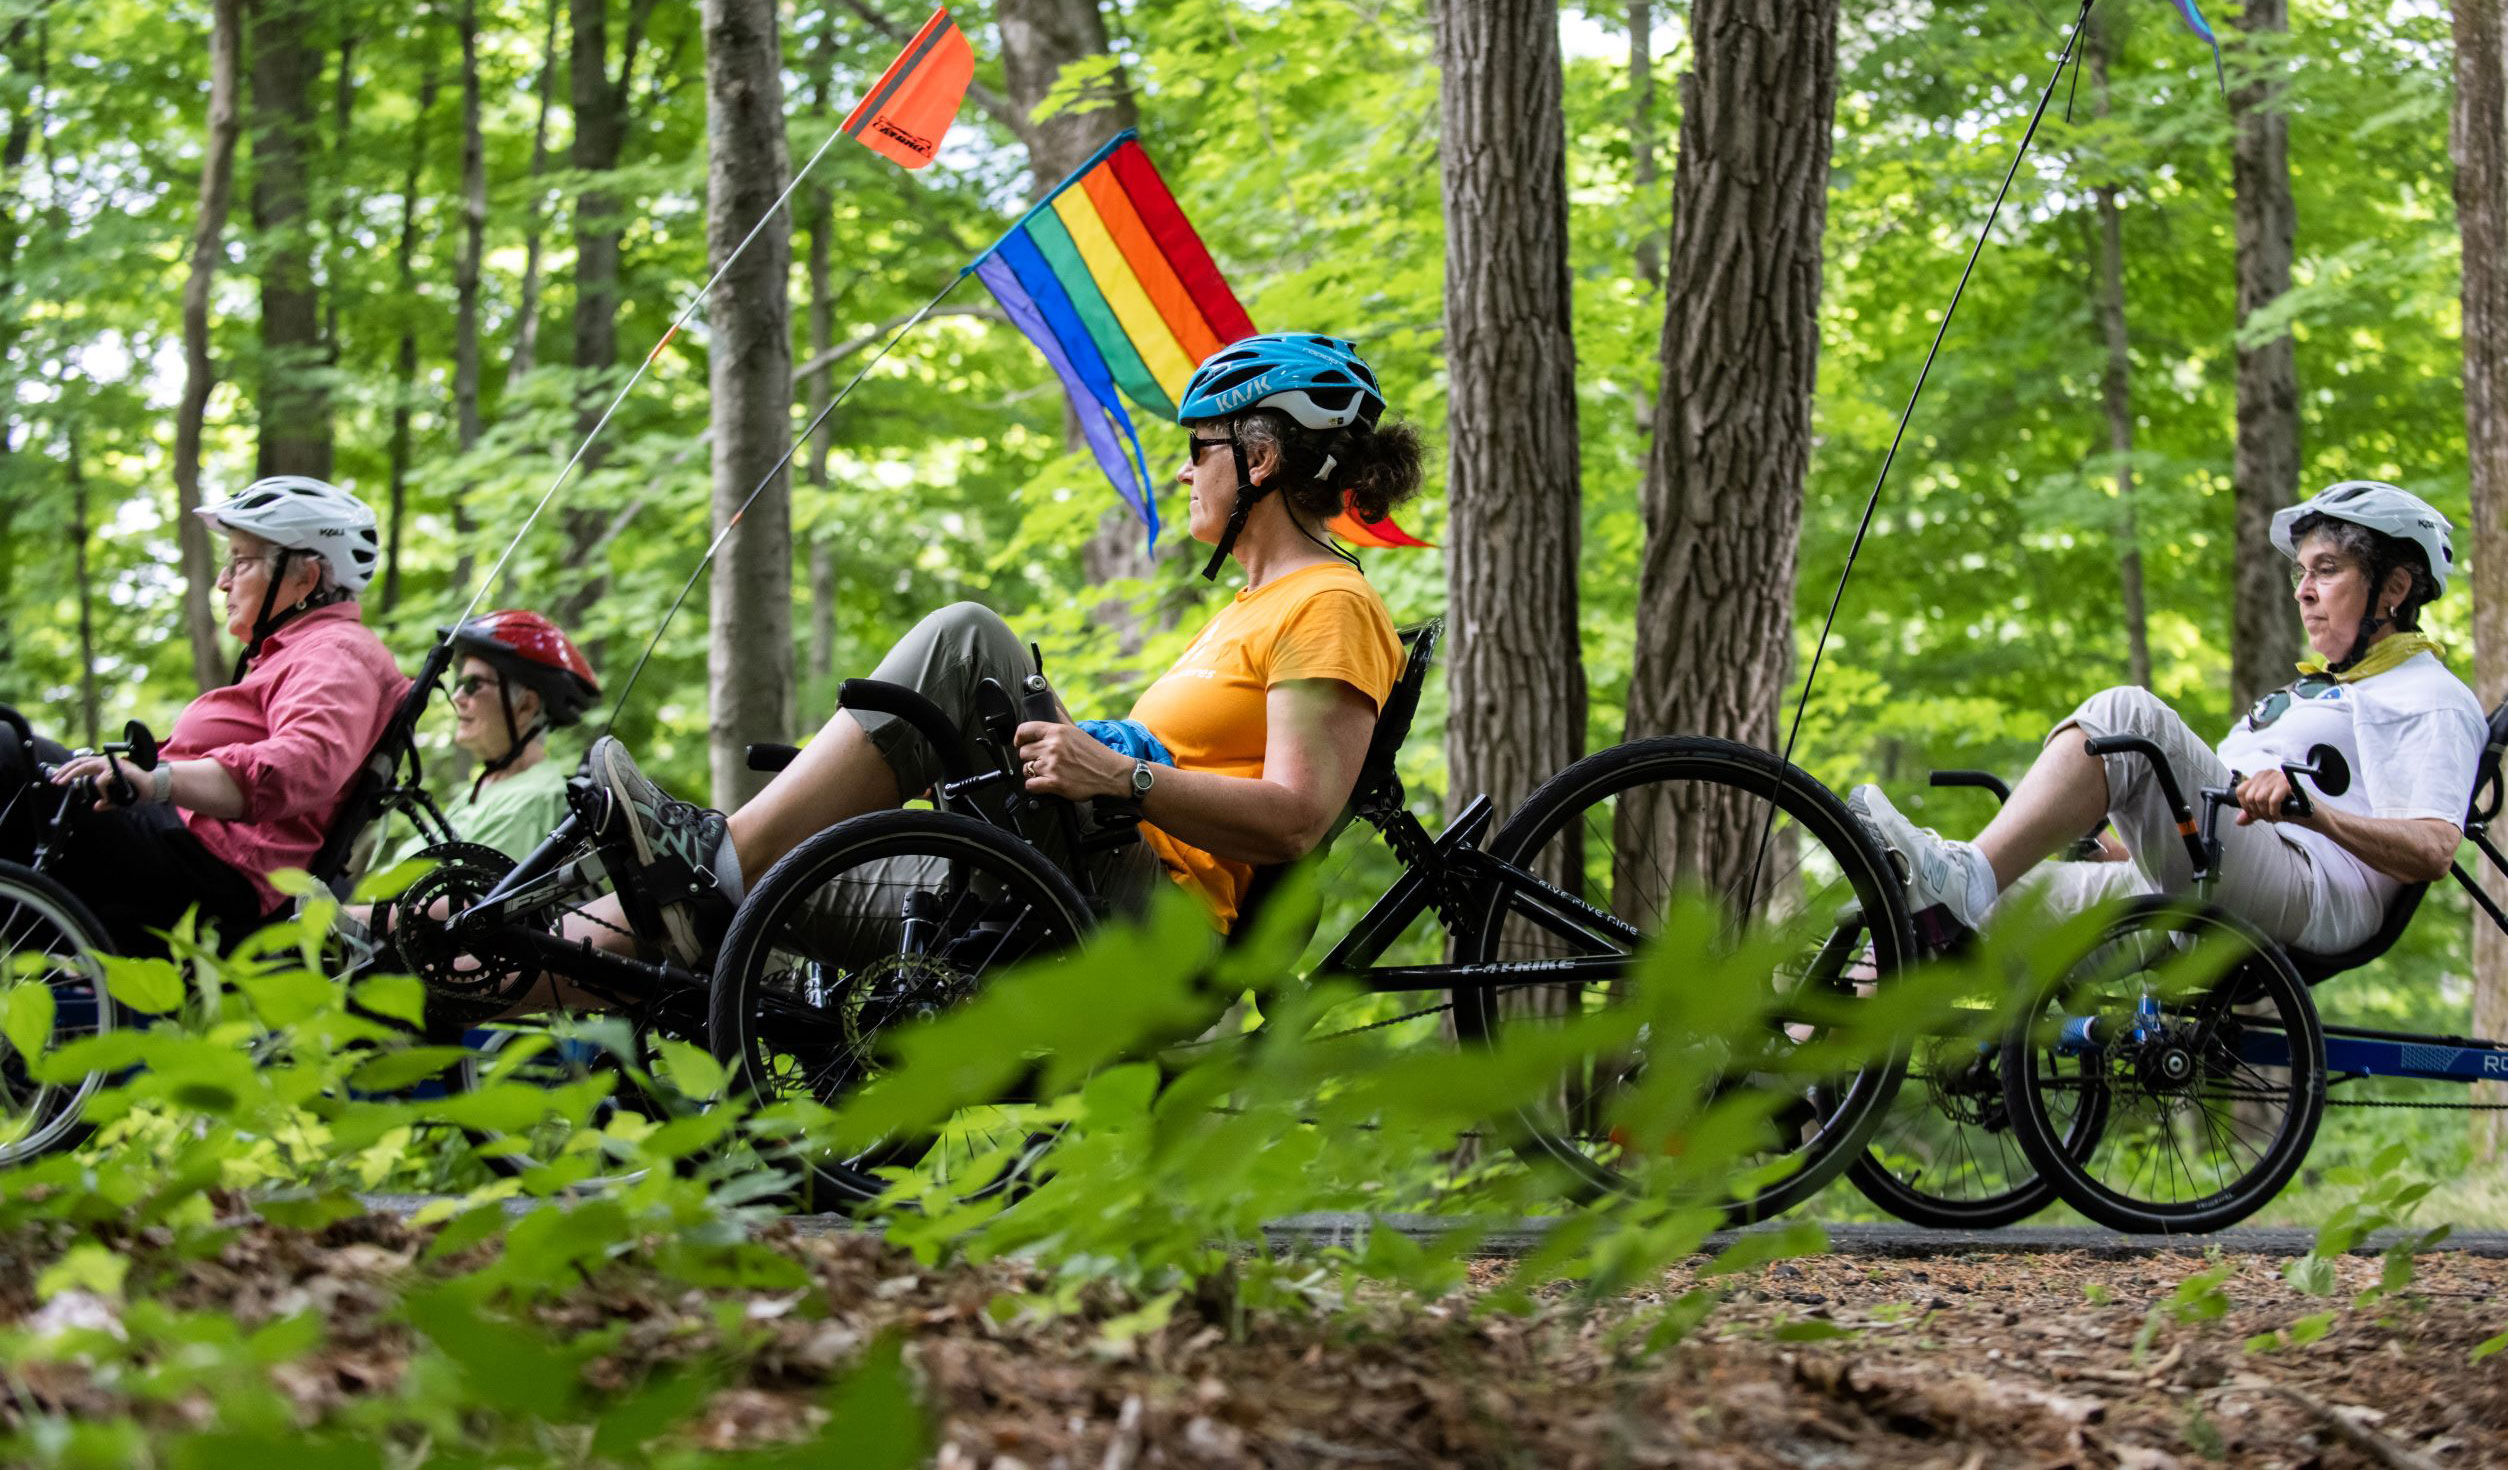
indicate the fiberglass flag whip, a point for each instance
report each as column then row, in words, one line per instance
column 1112, row 283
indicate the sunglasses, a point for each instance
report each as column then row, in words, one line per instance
column 1194, row 445
column 2276, row 704
column 469, row 685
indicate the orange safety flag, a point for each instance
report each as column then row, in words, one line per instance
column 908, row 111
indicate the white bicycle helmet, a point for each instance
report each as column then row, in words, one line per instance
column 2383, row 508
column 306, row 514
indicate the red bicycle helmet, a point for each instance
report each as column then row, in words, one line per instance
column 530, row 650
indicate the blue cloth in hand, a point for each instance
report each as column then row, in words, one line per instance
column 1131, row 737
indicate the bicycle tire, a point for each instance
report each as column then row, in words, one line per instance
column 2212, row 1031
column 1744, row 779
column 34, row 904
column 754, row 1007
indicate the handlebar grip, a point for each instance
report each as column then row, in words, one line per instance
column 769, row 756
column 124, row 793
column 1980, row 780
column 2104, row 745
column 874, row 696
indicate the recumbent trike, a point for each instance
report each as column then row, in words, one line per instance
column 2172, row 1079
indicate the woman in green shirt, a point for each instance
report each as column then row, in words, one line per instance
column 519, row 678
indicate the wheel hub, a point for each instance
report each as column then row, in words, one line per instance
column 2165, row 1065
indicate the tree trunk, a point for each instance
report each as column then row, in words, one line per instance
column 1515, row 677
column 13, row 150
column 2481, row 149
column 295, row 400
column 527, row 307
column 466, row 421
column 217, row 181
column 1038, row 39
column 1723, row 495
column 2264, row 475
column 2116, row 384
column 1641, row 132
column 819, row 210
column 750, row 668
column 600, row 136
column 406, row 362
column 90, row 703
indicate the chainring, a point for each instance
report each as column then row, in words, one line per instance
column 467, row 981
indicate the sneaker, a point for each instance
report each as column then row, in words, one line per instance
column 669, row 860
column 1938, row 872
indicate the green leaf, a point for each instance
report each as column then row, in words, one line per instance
column 504, row 1366
column 26, row 1019
column 875, row 1416
column 394, row 1071
column 2311, row 1328
column 151, row 986
column 1759, row 1248
column 469, row 1228
column 660, row 1406
column 397, row 997
column 690, row 1071
column 309, row 1212
column 86, row 1266
column 287, row 997
column 376, row 887
column 2487, row 1347
column 2310, row 1275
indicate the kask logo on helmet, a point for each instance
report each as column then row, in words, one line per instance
column 1244, row 393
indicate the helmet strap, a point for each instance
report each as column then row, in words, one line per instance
column 521, row 739
column 1247, row 493
column 263, row 623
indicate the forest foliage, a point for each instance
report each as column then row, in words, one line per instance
column 1986, row 599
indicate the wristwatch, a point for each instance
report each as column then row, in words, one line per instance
column 1143, row 776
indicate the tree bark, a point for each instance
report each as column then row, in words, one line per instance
column 217, row 183
column 1515, row 677
column 1641, row 132
column 527, row 307
column 2264, row 474
column 1723, row 494
column 1038, row 39
column 406, row 360
column 819, row 209
column 90, row 702
column 295, row 398
column 750, row 670
column 2116, row 384
column 2481, row 157
column 466, row 419
column 601, row 113
column 13, row 149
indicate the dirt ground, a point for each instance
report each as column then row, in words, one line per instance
column 1964, row 1362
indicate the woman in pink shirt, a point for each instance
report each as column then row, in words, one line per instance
column 253, row 774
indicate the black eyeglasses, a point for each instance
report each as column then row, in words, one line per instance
column 469, row 685
column 2277, row 704
column 1194, row 444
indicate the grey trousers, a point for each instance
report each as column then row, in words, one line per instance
column 2265, row 877
column 945, row 658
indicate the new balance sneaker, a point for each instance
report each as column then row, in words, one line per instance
column 670, row 861
column 1938, row 872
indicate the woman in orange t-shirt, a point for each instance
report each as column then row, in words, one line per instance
column 1263, row 722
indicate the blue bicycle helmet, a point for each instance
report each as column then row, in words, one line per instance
column 1321, row 383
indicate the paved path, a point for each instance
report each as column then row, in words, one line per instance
column 1508, row 1238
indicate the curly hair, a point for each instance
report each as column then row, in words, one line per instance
column 1376, row 468
column 2378, row 555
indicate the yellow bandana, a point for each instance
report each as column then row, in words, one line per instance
column 2385, row 654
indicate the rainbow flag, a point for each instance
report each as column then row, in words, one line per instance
column 1112, row 283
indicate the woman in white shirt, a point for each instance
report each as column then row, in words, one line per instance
column 2367, row 556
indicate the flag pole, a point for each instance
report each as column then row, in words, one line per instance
column 619, row 705
column 1040, row 206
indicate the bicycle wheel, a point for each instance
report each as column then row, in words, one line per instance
column 48, row 938
column 1629, row 829
column 867, row 927
column 1945, row 1156
column 2198, row 1038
